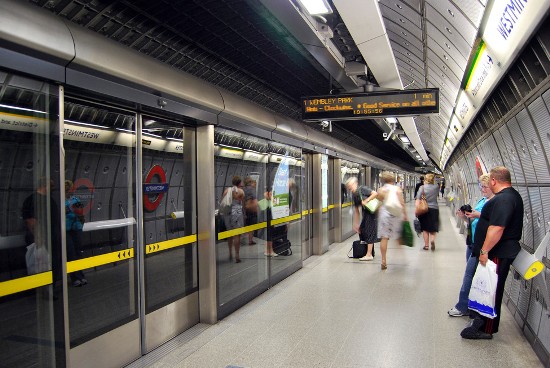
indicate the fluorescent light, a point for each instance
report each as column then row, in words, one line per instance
column 85, row 124
column 125, row 130
column 404, row 139
column 152, row 135
column 22, row 108
column 316, row 7
column 174, row 139
column 391, row 120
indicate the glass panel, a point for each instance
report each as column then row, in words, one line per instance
column 284, row 172
column 348, row 170
column 31, row 331
column 169, row 211
column 240, row 165
column 100, row 218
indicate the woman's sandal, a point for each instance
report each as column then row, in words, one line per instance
column 383, row 266
column 426, row 247
column 433, row 245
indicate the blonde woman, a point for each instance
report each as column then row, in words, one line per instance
column 389, row 226
column 429, row 222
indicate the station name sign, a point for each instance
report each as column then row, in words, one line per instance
column 378, row 104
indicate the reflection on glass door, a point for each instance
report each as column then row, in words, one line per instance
column 100, row 216
column 307, row 205
column 169, row 229
column 31, row 304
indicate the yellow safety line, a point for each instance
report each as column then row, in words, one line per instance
column 25, row 283
column 347, row 204
column 286, row 219
column 330, row 206
column 102, row 259
column 325, row 209
column 305, row 212
column 172, row 243
column 241, row 230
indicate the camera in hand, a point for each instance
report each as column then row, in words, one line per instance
column 466, row 208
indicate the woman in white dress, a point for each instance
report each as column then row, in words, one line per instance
column 389, row 218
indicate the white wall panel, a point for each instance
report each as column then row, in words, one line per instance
column 522, row 150
column 508, row 145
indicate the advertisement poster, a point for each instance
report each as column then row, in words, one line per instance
column 280, row 191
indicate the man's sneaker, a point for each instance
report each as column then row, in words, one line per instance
column 366, row 258
column 453, row 312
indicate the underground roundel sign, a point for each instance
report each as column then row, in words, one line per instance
column 154, row 188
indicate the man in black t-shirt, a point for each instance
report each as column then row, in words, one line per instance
column 497, row 238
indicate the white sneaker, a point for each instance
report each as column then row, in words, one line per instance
column 366, row 258
column 453, row 312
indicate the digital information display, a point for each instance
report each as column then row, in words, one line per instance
column 372, row 104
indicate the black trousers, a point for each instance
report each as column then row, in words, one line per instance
column 490, row 326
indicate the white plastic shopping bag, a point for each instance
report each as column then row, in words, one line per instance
column 37, row 259
column 483, row 290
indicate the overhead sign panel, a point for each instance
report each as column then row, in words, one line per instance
column 373, row 104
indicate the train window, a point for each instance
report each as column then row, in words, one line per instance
column 100, row 216
column 30, row 226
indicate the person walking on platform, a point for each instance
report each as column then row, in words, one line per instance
column 497, row 238
column 418, row 185
column 429, row 222
column 389, row 220
column 367, row 229
column 461, row 308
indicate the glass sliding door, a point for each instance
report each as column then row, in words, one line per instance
column 169, row 229
column 31, row 280
column 241, row 224
column 100, row 216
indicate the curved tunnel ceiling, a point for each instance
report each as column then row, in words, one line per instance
column 241, row 46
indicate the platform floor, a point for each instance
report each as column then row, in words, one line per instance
column 340, row 312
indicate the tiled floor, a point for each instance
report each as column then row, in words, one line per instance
column 340, row 312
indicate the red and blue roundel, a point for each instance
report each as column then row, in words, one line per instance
column 86, row 199
column 153, row 192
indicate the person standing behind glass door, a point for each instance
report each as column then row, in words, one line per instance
column 250, row 206
column 74, row 224
column 235, row 219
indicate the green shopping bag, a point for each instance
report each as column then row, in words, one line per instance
column 407, row 234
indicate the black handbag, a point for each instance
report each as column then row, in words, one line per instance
column 358, row 249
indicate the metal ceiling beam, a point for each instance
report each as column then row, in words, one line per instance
column 366, row 25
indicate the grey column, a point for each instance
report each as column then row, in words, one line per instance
column 368, row 177
column 206, row 229
column 317, row 206
column 337, row 182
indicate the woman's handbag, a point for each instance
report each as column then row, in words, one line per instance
column 417, row 226
column 421, row 205
column 372, row 205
